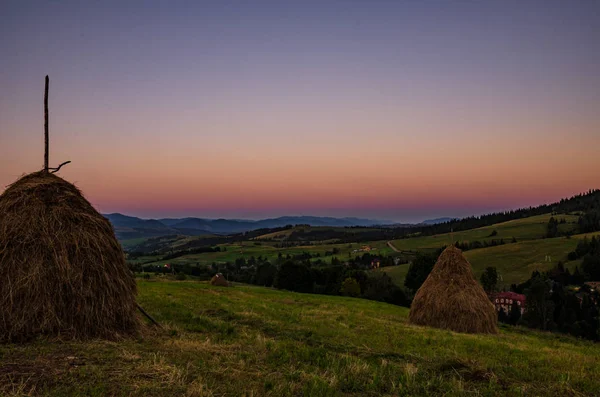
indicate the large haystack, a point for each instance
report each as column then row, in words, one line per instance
column 62, row 271
column 450, row 298
column 219, row 280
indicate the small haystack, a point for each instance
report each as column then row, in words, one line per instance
column 219, row 280
column 450, row 298
column 62, row 271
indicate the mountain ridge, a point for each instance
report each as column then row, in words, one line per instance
column 129, row 227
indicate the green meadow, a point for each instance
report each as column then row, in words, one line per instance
column 252, row 341
column 515, row 261
column 246, row 249
column 531, row 228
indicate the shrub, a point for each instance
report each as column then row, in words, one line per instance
column 350, row 287
column 180, row 276
column 380, row 287
column 419, row 269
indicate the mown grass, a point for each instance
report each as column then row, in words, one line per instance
column 514, row 262
column 251, row 341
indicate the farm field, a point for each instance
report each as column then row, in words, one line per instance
column 253, row 341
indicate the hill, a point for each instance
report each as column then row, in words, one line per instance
column 586, row 206
column 312, row 232
column 258, row 341
column 130, row 227
column 530, row 228
column 514, row 261
column 437, row 220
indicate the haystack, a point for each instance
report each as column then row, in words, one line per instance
column 450, row 298
column 62, row 271
column 219, row 280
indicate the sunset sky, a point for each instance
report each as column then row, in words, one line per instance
column 397, row 110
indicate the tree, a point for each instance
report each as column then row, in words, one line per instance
column 360, row 276
column 350, row 287
column 502, row 316
column 577, row 278
column 552, row 228
column 419, row 269
column 515, row 313
column 294, row 276
column 380, row 287
column 489, row 279
column 591, row 267
column 540, row 308
column 265, row 274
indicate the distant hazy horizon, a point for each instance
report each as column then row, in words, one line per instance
column 412, row 217
column 400, row 111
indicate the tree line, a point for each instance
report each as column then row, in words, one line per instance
column 301, row 273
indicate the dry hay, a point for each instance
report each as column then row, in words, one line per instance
column 450, row 298
column 62, row 271
column 219, row 280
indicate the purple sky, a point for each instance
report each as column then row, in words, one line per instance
column 401, row 110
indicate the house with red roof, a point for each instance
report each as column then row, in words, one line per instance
column 506, row 300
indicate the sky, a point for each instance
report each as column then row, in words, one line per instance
column 395, row 110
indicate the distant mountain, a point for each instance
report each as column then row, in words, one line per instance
column 437, row 220
column 120, row 220
column 319, row 221
column 219, row 226
column 129, row 227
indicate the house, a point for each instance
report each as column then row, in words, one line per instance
column 505, row 300
column 594, row 285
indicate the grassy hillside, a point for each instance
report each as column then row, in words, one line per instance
column 283, row 234
column 230, row 252
column 254, row 341
column 522, row 229
column 515, row 262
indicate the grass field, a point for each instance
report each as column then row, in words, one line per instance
column 514, row 262
column 130, row 243
column 522, row 229
column 281, row 235
column 268, row 250
column 251, row 341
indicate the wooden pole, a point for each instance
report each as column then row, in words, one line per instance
column 149, row 316
column 46, row 154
